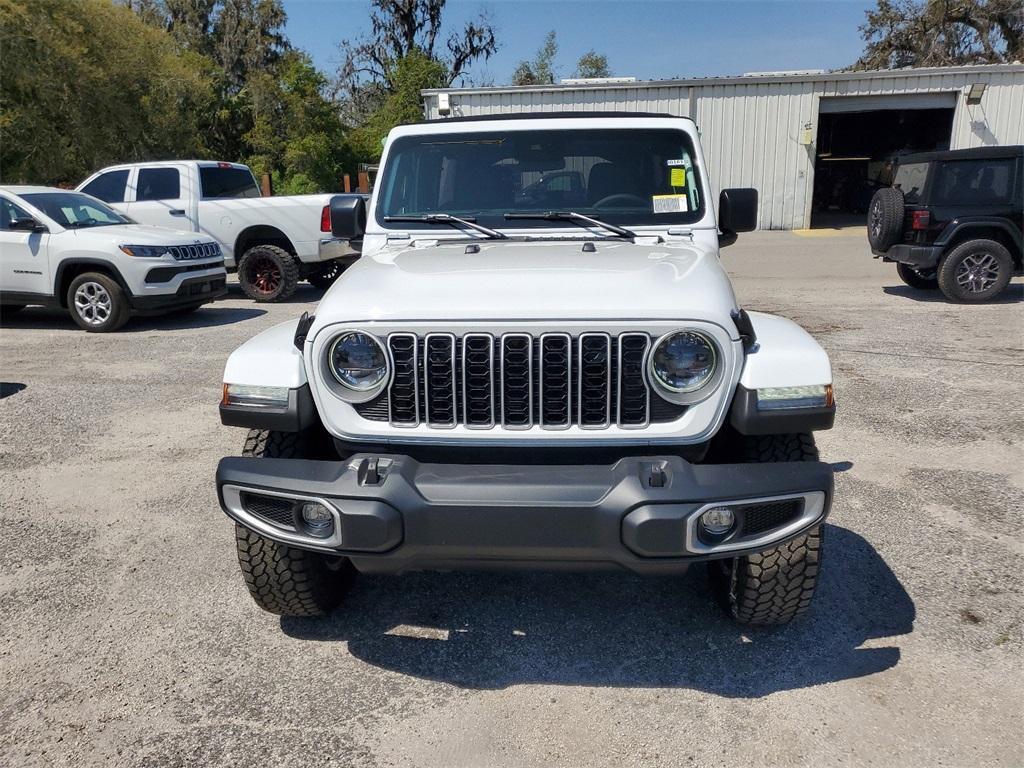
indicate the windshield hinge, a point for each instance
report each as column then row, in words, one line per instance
column 680, row 232
column 398, row 236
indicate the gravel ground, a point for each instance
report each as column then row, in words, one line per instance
column 128, row 637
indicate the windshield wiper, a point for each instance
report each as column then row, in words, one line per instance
column 455, row 221
column 573, row 216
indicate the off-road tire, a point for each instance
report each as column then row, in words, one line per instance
column 323, row 276
column 774, row 586
column 885, row 218
column 953, row 264
column 285, row 580
column 268, row 273
column 119, row 309
column 928, row 281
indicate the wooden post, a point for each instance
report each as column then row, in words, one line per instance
column 267, row 186
column 346, row 183
column 364, row 182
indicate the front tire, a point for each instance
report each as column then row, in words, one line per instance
column 268, row 273
column 97, row 303
column 925, row 280
column 977, row 270
column 777, row 585
column 285, row 580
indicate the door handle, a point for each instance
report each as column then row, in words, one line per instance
column 177, row 212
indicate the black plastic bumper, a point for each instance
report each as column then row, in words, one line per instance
column 921, row 256
column 199, row 290
column 395, row 514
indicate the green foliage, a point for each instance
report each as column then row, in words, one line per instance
column 937, row 33
column 86, row 84
column 541, row 70
column 409, row 75
column 592, row 64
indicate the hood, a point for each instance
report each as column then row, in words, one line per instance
column 140, row 234
column 533, row 281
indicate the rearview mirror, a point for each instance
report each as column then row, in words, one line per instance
column 348, row 217
column 26, row 225
column 737, row 212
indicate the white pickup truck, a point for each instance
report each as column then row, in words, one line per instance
column 272, row 242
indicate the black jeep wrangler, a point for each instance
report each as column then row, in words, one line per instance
column 953, row 221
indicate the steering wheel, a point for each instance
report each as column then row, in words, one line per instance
column 618, row 199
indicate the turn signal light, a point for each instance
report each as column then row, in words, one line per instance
column 920, row 219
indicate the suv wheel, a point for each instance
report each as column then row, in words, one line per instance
column 268, row 273
column 97, row 303
column 885, row 218
column 282, row 579
column 774, row 586
column 977, row 270
column 924, row 279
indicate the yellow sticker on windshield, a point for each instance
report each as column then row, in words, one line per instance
column 677, row 177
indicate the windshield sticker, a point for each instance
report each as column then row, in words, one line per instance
column 677, row 177
column 671, row 163
column 669, row 203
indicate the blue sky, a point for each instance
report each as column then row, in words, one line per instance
column 648, row 39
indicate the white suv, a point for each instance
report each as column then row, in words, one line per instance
column 66, row 249
column 538, row 362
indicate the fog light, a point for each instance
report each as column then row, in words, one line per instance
column 317, row 520
column 717, row 521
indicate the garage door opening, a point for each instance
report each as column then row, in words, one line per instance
column 859, row 143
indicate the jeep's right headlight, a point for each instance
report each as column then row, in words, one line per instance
column 682, row 364
column 358, row 361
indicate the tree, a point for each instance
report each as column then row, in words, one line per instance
column 592, row 64
column 88, row 84
column 541, row 70
column 929, row 33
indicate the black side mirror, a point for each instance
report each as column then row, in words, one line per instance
column 737, row 212
column 26, row 225
column 348, row 217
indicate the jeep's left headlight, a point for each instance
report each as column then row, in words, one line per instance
column 682, row 364
column 358, row 361
column 146, row 251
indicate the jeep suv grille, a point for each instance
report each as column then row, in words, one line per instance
column 197, row 251
column 517, row 381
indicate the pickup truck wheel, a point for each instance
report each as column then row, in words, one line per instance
column 774, row 586
column 268, row 273
column 282, row 579
column 977, row 270
column 97, row 303
column 925, row 280
column 885, row 218
column 323, row 277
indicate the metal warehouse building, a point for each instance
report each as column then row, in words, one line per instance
column 814, row 144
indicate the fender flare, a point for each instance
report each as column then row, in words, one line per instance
column 75, row 261
column 961, row 224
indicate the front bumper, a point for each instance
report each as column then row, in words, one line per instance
column 394, row 514
column 192, row 291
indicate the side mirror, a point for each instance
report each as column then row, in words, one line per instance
column 348, row 217
column 737, row 212
column 26, row 225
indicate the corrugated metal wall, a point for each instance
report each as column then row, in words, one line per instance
column 751, row 127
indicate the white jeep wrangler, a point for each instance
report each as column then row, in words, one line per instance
column 538, row 362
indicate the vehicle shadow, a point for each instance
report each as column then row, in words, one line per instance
column 209, row 316
column 490, row 631
column 304, row 294
column 1013, row 294
column 8, row 388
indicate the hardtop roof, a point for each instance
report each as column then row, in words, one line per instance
column 974, row 153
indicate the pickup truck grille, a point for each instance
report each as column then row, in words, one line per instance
column 518, row 381
column 197, row 251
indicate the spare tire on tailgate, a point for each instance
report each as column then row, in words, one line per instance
column 885, row 218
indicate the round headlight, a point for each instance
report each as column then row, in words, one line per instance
column 358, row 361
column 683, row 362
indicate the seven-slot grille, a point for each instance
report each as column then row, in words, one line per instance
column 517, row 381
column 197, row 251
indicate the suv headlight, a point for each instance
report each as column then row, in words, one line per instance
column 682, row 364
column 146, row 251
column 358, row 362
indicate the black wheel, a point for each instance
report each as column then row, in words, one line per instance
column 774, row 586
column 925, row 279
column 323, row 277
column 977, row 270
column 285, row 580
column 885, row 218
column 268, row 273
column 97, row 303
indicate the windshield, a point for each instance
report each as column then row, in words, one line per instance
column 220, row 182
column 75, row 210
column 621, row 176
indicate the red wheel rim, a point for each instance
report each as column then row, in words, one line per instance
column 264, row 274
